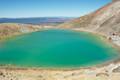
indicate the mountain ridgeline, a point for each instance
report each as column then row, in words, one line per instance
column 15, row 26
column 105, row 20
column 115, row 0
column 41, row 20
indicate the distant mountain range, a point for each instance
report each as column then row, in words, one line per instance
column 40, row 20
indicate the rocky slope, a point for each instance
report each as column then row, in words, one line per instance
column 10, row 29
column 105, row 20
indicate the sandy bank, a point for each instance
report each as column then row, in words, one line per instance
column 109, row 72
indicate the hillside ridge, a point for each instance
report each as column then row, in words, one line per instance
column 105, row 20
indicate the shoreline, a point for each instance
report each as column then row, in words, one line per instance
column 105, row 71
column 103, row 37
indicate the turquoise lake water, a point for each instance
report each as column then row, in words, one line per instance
column 56, row 49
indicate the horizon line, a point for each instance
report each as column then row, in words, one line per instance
column 42, row 17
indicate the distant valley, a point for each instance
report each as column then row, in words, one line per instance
column 39, row 20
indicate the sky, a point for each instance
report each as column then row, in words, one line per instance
column 48, row 8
